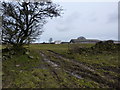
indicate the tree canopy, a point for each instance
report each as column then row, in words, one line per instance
column 22, row 22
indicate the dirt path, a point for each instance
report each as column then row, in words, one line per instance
column 91, row 68
column 57, row 66
column 58, row 73
column 74, row 68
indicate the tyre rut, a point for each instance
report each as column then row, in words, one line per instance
column 82, row 70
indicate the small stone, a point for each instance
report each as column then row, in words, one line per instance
column 4, row 58
column 21, row 71
column 17, row 65
column 27, row 53
column 31, row 57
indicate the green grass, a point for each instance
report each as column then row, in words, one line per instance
column 102, row 59
column 94, row 60
column 17, row 70
column 23, row 72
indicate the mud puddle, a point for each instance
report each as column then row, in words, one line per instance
column 56, row 66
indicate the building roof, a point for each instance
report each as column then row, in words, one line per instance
column 83, row 40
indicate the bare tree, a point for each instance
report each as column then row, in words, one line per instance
column 50, row 40
column 22, row 22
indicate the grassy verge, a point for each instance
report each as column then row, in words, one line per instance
column 21, row 71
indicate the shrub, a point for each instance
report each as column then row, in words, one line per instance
column 100, row 47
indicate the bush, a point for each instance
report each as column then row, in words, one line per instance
column 105, row 46
column 100, row 47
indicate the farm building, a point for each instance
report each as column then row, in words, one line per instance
column 83, row 40
column 57, row 42
column 64, row 42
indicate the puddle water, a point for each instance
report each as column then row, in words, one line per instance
column 48, row 61
column 74, row 74
column 78, row 76
column 57, row 67
column 54, row 64
column 73, row 61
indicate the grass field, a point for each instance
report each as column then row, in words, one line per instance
column 52, row 66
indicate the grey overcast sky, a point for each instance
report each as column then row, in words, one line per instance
column 93, row 20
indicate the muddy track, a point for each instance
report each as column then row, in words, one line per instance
column 71, row 60
column 54, row 69
column 92, row 67
column 54, row 65
column 81, row 70
column 49, row 65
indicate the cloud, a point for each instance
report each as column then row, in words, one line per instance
column 62, row 28
column 68, row 22
column 112, row 18
column 72, row 17
column 93, row 19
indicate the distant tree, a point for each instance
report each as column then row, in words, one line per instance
column 22, row 22
column 50, row 40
